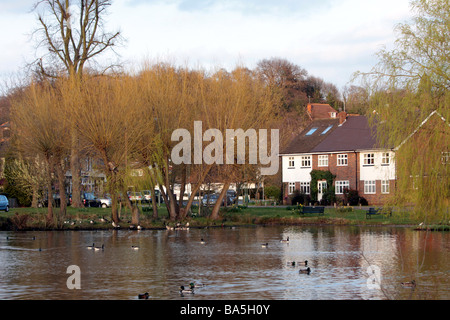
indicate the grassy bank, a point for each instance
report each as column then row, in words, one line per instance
column 99, row 218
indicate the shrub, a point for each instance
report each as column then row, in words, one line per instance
column 300, row 198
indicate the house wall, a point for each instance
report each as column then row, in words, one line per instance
column 355, row 172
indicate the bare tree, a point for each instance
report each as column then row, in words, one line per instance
column 72, row 33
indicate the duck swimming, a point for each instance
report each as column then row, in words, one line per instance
column 305, row 270
column 91, row 247
column 264, row 245
column 202, row 241
column 186, row 291
column 143, row 296
column 135, row 247
column 193, row 285
column 285, row 240
column 99, row 248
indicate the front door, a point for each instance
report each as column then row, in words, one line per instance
column 321, row 188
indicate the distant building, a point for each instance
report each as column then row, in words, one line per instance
column 346, row 146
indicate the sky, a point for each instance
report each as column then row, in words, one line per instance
column 331, row 39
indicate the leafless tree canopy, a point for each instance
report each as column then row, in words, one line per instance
column 72, row 32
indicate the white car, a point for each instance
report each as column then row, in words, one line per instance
column 106, row 202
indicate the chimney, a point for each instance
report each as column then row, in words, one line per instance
column 342, row 117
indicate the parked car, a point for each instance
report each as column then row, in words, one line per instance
column 90, row 200
column 4, row 203
column 135, row 196
column 211, row 199
column 56, row 200
column 148, row 196
column 105, row 201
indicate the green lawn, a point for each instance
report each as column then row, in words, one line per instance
column 90, row 218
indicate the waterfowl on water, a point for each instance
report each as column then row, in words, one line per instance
column 135, row 247
column 202, row 241
column 411, row 284
column 293, row 263
column 193, row 285
column 305, row 270
column 285, row 240
column 264, row 245
column 91, row 247
column 143, row 296
column 99, row 248
column 188, row 291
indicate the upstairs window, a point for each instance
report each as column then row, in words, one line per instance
column 291, row 162
column 306, row 161
column 342, row 160
column 323, row 161
column 385, row 159
column 369, row 159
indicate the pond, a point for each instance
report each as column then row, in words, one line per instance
column 232, row 264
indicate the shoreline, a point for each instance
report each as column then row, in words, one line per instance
column 92, row 219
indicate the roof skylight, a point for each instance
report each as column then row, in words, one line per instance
column 310, row 132
column 327, row 129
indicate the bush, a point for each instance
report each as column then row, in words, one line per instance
column 352, row 198
column 300, row 198
column 272, row 192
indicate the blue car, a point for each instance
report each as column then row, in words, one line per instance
column 4, row 203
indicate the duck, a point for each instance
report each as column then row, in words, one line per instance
column 135, row 247
column 115, row 225
column 91, row 247
column 193, row 285
column 264, row 245
column 285, row 240
column 411, row 284
column 143, row 295
column 202, row 241
column 306, row 270
column 188, row 291
column 99, row 248
column 293, row 263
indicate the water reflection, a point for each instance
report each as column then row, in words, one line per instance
column 231, row 263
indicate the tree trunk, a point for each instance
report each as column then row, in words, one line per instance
column 62, row 191
column 154, row 206
column 173, row 214
column 216, row 208
column 75, row 170
column 49, row 193
column 194, row 191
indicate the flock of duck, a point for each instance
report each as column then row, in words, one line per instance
column 304, row 269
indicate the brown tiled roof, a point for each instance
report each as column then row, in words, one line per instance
column 304, row 143
column 354, row 134
column 320, row 111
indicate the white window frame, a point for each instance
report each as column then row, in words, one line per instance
column 323, row 160
column 369, row 159
column 385, row 186
column 339, row 186
column 305, row 188
column 291, row 162
column 445, row 157
column 306, row 161
column 385, row 159
column 342, row 160
column 370, row 187
column 291, row 187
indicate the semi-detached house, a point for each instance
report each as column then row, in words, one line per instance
column 346, row 146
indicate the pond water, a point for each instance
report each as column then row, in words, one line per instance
column 232, row 263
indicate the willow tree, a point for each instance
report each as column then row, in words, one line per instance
column 410, row 83
column 105, row 116
column 72, row 35
column 41, row 126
